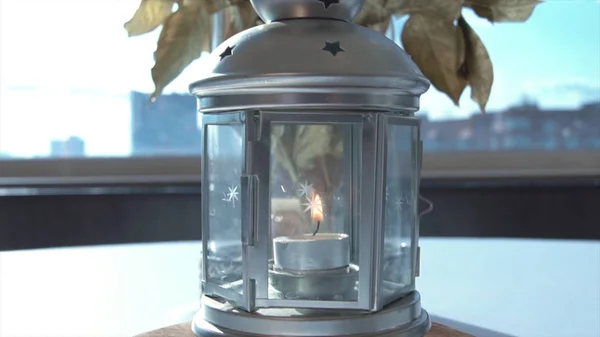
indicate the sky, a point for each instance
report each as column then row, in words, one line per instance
column 67, row 67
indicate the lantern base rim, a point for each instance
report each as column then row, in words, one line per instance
column 312, row 326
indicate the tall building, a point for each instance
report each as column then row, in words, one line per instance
column 169, row 126
column 72, row 147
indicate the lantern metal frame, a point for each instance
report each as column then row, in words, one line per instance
column 403, row 318
column 255, row 189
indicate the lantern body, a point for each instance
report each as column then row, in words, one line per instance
column 302, row 208
column 311, row 161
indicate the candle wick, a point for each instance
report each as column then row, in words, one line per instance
column 316, row 230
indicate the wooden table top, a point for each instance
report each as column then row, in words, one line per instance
column 184, row 330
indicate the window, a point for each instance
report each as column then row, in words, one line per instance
column 73, row 84
column 74, row 90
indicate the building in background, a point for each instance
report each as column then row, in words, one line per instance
column 72, row 147
column 169, row 126
column 524, row 127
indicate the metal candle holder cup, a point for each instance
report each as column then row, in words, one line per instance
column 315, row 267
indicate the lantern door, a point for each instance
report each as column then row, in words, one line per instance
column 317, row 174
column 225, row 191
column 400, row 212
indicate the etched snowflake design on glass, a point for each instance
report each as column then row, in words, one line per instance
column 400, row 203
column 231, row 196
column 305, row 189
column 313, row 203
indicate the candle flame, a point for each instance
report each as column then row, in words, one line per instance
column 317, row 209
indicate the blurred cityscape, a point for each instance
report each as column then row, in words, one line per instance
column 170, row 126
column 524, row 127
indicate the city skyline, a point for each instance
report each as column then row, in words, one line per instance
column 158, row 131
column 80, row 83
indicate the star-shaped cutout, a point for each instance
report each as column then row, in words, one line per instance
column 333, row 47
column 328, row 3
column 228, row 52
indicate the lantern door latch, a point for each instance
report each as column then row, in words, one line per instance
column 249, row 209
column 418, row 264
column 254, row 127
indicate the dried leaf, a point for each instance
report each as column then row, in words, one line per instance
column 479, row 69
column 438, row 48
column 211, row 6
column 149, row 15
column 382, row 27
column 503, row 10
column 373, row 12
column 181, row 41
column 443, row 8
column 231, row 12
column 317, row 154
column 239, row 18
column 376, row 12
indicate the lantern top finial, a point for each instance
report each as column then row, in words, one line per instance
column 276, row 10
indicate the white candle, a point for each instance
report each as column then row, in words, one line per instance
column 310, row 252
column 315, row 251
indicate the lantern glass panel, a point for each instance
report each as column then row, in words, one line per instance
column 315, row 176
column 400, row 208
column 223, row 166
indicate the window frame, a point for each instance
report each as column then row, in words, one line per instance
column 187, row 169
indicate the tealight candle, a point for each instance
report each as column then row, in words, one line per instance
column 311, row 252
column 308, row 252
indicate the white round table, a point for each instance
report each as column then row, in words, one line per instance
column 517, row 287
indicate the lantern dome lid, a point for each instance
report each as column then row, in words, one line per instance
column 327, row 57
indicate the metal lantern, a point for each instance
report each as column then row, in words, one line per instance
column 311, row 165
